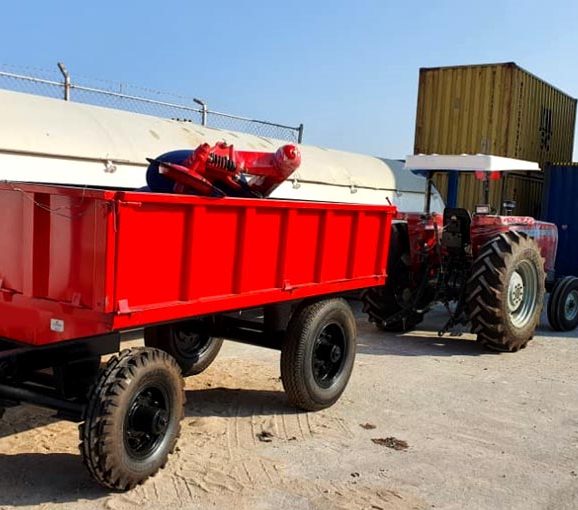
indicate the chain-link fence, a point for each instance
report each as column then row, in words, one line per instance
column 59, row 84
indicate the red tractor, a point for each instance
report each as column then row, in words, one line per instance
column 488, row 270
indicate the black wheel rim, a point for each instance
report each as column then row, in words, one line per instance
column 147, row 421
column 190, row 345
column 571, row 306
column 329, row 353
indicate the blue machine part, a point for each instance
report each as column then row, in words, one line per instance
column 158, row 183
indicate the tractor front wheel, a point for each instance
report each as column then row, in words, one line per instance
column 380, row 303
column 396, row 299
column 505, row 292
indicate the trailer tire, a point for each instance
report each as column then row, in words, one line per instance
column 132, row 419
column 194, row 352
column 505, row 292
column 563, row 304
column 318, row 353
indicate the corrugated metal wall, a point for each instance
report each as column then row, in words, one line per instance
column 560, row 206
column 496, row 109
column 463, row 110
column 544, row 120
column 526, row 191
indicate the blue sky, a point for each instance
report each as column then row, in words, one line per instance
column 347, row 70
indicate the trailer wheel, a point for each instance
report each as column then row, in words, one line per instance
column 563, row 304
column 132, row 419
column 318, row 353
column 505, row 292
column 193, row 352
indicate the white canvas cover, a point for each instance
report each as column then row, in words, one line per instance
column 55, row 141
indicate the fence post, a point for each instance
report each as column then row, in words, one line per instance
column 300, row 134
column 64, row 72
column 204, row 110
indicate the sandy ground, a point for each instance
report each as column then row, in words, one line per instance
column 483, row 431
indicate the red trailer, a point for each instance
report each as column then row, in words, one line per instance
column 79, row 268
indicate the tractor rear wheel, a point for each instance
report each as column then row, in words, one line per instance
column 505, row 292
column 194, row 352
column 563, row 304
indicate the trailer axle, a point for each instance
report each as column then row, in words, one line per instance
column 70, row 410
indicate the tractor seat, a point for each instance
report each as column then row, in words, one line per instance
column 457, row 222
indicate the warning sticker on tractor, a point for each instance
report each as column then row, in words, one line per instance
column 57, row 325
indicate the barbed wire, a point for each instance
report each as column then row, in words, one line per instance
column 109, row 94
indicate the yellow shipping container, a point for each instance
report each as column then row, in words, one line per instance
column 496, row 109
column 526, row 191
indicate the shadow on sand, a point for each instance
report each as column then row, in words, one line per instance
column 233, row 402
column 388, row 344
column 22, row 418
column 38, row 478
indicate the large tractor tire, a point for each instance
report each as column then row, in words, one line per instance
column 505, row 292
column 318, row 353
column 132, row 420
column 563, row 304
column 193, row 352
column 389, row 300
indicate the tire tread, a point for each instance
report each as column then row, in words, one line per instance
column 95, row 445
column 293, row 353
column 487, row 293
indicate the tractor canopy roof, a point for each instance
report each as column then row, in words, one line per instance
column 423, row 163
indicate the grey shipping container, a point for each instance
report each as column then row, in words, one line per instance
column 560, row 206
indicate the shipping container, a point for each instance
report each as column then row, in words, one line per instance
column 560, row 206
column 525, row 191
column 496, row 109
